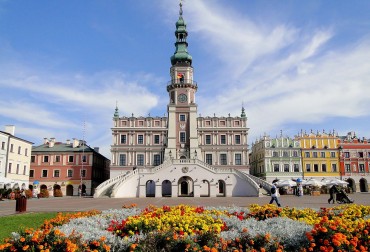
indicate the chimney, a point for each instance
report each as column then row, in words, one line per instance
column 68, row 142
column 52, row 142
column 75, row 142
column 46, row 140
column 96, row 149
column 10, row 129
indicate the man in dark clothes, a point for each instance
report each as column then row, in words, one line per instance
column 333, row 190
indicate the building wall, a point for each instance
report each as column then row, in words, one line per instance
column 18, row 167
column 320, row 156
column 55, row 163
column 276, row 158
column 4, row 138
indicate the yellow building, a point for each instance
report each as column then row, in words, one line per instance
column 320, row 155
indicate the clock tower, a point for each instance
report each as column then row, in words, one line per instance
column 182, row 139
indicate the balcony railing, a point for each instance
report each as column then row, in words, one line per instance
column 182, row 82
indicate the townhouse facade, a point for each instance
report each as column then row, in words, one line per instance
column 276, row 158
column 15, row 156
column 322, row 156
column 73, row 167
column 354, row 161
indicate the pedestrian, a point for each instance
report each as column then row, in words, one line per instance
column 332, row 191
column 274, row 195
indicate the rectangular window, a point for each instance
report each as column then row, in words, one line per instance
column 276, row 167
column 223, row 159
column 208, row 139
column 316, row 168
column 3, row 145
column 346, row 154
column 308, row 167
column 122, row 159
column 182, row 137
column 209, row 159
column 314, row 154
column 323, row 167
column 19, row 149
column 123, row 139
column 57, row 159
column 323, row 154
column 84, row 159
column 33, row 159
column 361, row 168
column 32, row 173
column 70, row 159
column 286, row 167
column 46, row 159
column 285, row 154
column 307, row 154
column 275, row 154
column 157, row 159
column 17, row 171
column 26, row 152
column 332, row 154
column 237, row 139
column 83, row 173
column 296, row 167
column 56, row 173
column 70, row 173
column 11, row 148
column 24, row 170
column 223, row 139
column 361, row 154
column 156, row 139
column 348, row 168
column 10, row 168
column 333, row 167
column 44, row 173
column 140, row 139
column 182, row 118
column 295, row 153
column 238, row 159
column 140, row 159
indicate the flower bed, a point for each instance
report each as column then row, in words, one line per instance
column 188, row 228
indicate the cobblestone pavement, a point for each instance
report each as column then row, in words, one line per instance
column 64, row 204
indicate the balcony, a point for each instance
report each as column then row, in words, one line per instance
column 181, row 83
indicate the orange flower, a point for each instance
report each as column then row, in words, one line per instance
column 25, row 247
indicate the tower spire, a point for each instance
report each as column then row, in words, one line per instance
column 181, row 54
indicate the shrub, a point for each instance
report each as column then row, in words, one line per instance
column 28, row 193
column 44, row 193
column 58, row 193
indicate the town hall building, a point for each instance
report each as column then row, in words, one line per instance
column 183, row 154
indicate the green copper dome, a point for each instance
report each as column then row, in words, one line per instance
column 181, row 54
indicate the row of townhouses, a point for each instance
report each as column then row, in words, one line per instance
column 73, row 167
column 317, row 155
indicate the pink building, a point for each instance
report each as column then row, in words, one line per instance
column 73, row 167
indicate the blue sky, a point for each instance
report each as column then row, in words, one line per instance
column 293, row 64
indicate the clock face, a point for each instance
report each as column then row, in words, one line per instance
column 182, row 98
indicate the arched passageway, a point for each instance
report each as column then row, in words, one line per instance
column 363, row 185
column 166, row 188
column 186, row 187
column 150, row 188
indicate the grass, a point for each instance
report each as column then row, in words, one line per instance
column 19, row 222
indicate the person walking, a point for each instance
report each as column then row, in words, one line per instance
column 332, row 191
column 274, row 195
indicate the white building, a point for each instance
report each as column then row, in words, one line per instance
column 182, row 154
column 15, row 157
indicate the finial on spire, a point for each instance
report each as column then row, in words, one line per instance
column 180, row 12
column 116, row 114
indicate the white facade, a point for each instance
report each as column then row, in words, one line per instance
column 182, row 154
column 15, row 164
